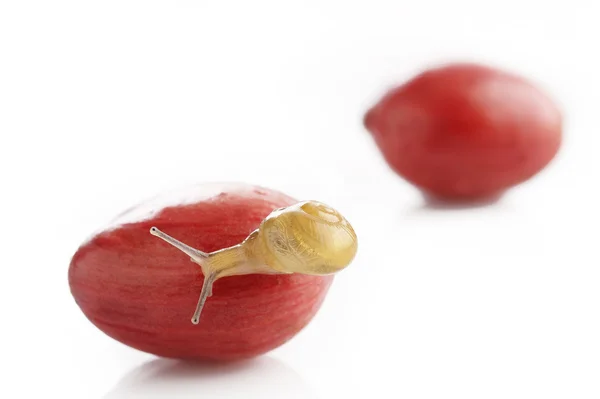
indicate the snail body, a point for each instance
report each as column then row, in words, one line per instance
column 306, row 238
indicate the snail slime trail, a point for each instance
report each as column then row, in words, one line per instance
column 306, row 238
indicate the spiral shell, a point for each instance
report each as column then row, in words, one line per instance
column 308, row 238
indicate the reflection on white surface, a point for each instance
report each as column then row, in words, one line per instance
column 263, row 378
column 435, row 203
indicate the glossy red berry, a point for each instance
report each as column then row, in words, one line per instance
column 466, row 131
column 141, row 291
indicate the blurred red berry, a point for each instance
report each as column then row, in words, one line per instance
column 466, row 131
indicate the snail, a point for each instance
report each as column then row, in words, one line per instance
column 306, row 238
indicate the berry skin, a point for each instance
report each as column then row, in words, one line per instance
column 141, row 291
column 466, row 131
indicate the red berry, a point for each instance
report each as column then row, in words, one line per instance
column 466, row 131
column 141, row 291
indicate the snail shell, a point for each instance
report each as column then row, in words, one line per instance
column 308, row 238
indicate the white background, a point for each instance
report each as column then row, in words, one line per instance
column 105, row 103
